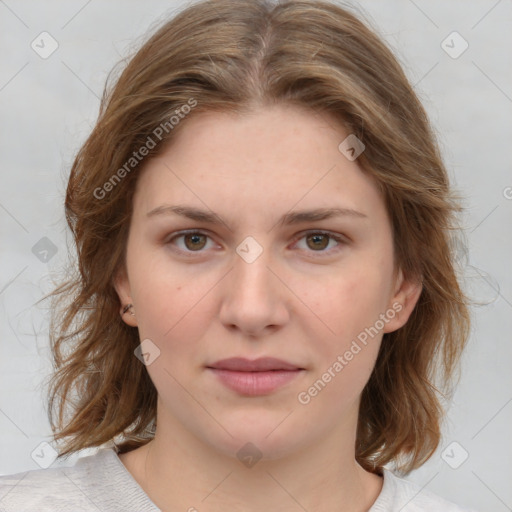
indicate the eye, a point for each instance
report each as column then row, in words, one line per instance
column 193, row 241
column 318, row 241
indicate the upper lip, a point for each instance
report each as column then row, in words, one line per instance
column 257, row 365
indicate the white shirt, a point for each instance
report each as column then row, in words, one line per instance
column 101, row 483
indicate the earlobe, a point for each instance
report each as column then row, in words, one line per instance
column 127, row 309
column 128, row 315
column 404, row 300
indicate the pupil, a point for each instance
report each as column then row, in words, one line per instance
column 195, row 239
column 319, row 238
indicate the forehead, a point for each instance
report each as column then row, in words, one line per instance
column 271, row 158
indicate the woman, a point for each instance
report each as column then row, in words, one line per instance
column 265, row 305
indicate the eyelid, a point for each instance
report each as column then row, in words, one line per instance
column 339, row 238
column 184, row 232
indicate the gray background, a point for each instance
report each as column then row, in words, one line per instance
column 49, row 105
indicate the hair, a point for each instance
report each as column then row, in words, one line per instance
column 236, row 56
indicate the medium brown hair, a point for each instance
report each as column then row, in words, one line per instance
column 234, row 56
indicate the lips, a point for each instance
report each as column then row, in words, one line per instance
column 263, row 364
column 252, row 378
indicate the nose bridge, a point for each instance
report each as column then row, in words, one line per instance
column 252, row 299
column 251, row 262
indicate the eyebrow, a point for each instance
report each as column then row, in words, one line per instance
column 290, row 218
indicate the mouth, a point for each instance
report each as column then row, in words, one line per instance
column 255, row 377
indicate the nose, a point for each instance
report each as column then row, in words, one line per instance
column 254, row 299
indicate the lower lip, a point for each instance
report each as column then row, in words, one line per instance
column 255, row 383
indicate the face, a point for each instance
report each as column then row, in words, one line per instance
column 251, row 278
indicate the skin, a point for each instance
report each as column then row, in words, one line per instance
column 301, row 300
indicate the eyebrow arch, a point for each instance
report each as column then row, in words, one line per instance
column 290, row 218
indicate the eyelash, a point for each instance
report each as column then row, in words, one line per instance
column 338, row 238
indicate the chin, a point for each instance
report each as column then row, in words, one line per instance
column 266, row 438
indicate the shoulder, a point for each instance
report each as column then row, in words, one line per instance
column 400, row 494
column 95, row 482
column 54, row 489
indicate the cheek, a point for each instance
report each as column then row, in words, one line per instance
column 345, row 357
column 347, row 301
column 172, row 304
column 174, row 314
column 337, row 388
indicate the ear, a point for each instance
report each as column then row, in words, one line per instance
column 122, row 287
column 404, row 299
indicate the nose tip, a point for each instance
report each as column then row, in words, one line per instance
column 253, row 299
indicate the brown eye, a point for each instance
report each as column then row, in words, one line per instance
column 189, row 242
column 194, row 241
column 321, row 243
column 318, row 241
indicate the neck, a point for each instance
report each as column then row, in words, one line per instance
column 180, row 472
